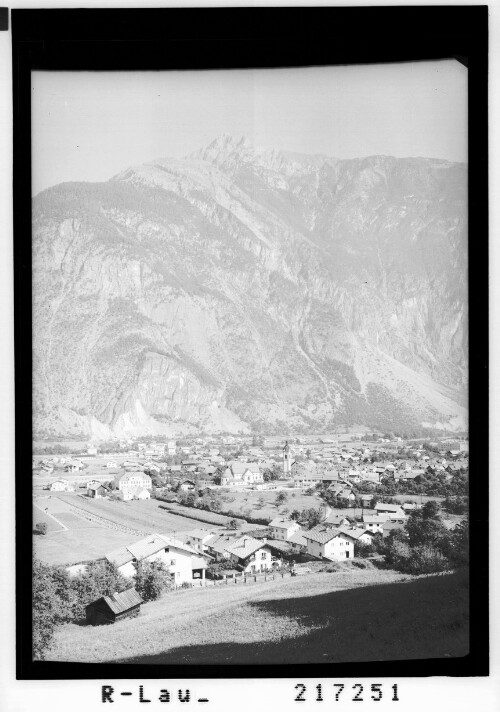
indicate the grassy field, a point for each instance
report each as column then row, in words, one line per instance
column 250, row 500
column 84, row 540
column 351, row 615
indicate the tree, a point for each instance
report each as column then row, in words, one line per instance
column 41, row 528
column 44, row 609
column 295, row 515
column 151, row 579
column 101, row 578
column 234, row 524
column 312, row 517
column 281, row 498
column 430, row 510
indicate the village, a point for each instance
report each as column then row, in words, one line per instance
column 216, row 510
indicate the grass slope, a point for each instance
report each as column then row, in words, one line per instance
column 350, row 615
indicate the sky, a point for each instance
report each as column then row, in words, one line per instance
column 88, row 126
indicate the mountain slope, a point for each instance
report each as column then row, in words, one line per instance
column 246, row 289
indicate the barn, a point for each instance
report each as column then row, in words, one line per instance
column 110, row 609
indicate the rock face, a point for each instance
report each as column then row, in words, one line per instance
column 241, row 289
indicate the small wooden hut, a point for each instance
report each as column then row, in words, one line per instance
column 109, row 609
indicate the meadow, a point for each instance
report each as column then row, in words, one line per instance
column 350, row 615
column 84, row 540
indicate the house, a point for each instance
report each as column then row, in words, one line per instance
column 374, row 522
column 97, row 490
column 109, row 609
column 329, row 544
column 365, row 536
column 217, row 544
column 197, row 539
column 111, row 464
column 131, row 480
column 182, row 561
column 252, row 555
column 61, row 485
column 336, row 520
column 283, row 528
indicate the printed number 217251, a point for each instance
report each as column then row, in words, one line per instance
column 355, row 692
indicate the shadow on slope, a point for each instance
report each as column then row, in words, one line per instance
column 425, row 618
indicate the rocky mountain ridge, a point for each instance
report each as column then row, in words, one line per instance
column 245, row 289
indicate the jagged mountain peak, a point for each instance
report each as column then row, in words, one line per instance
column 247, row 288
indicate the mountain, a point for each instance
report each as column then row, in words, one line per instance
column 246, row 289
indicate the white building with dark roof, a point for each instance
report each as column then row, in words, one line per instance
column 329, row 544
column 183, row 562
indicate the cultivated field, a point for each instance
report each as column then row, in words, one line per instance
column 351, row 615
column 112, row 524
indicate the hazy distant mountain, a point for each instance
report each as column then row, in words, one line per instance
column 241, row 288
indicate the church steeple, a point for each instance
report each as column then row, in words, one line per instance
column 287, row 464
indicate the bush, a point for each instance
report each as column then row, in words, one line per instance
column 41, row 528
column 364, row 550
column 151, row 579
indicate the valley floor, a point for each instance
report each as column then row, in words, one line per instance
column 351, row 615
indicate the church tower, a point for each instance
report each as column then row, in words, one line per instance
column 287, row 459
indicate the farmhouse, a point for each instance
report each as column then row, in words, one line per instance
column 109, row 609
column 330, row 544
column 182, row 562
column 252, row 555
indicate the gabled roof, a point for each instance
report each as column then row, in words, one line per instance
column 334, row 518
column 96, row 486
column 355, row 533
column 121, row 602
column 279, row 545
column 120, row 556
column 322, row 537
column 244, row 546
